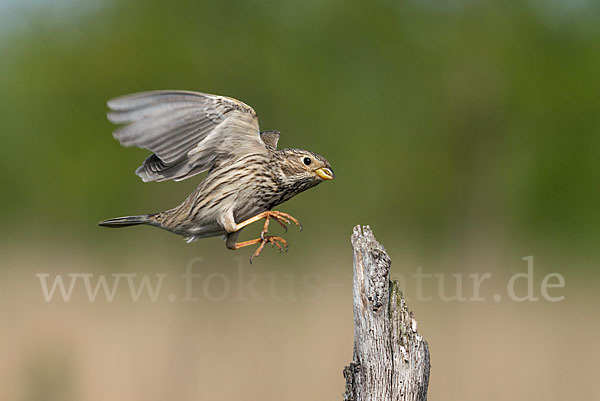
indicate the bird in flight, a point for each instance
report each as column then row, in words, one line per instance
column 190, row 133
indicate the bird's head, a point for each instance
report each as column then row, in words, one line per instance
column 305, row 166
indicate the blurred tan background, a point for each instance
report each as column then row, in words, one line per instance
column 464, row 133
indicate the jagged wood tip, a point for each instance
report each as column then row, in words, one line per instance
column 390, row 359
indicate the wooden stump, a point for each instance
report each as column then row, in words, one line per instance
column 391, row 359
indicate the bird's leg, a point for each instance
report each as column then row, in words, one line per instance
column 263, row 240
column 239, row 245
column 265, row 226
column 282, row 218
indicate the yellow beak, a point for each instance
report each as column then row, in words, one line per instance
column 325, row 173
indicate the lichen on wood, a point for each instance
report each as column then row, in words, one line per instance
column 390, row 359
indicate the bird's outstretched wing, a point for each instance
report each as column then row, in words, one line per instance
column 188, row 132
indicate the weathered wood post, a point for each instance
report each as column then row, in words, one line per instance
column 391, row 359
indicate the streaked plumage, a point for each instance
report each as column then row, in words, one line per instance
column 190, row 133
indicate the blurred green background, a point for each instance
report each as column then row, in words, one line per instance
column 444, row 122
column 464, row 132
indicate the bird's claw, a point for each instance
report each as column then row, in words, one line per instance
column 273, row 240
column 282, row 225
column 284, row 219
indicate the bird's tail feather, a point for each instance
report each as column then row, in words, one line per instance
column 127, row 221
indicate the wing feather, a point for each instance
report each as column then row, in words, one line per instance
column 188, row 132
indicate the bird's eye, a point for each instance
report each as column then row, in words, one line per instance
column 306, row 161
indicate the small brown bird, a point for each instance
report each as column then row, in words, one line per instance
column 192, row 132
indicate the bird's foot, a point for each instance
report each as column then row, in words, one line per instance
column 283, row 219
column 275, row 241
column 279, row 242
